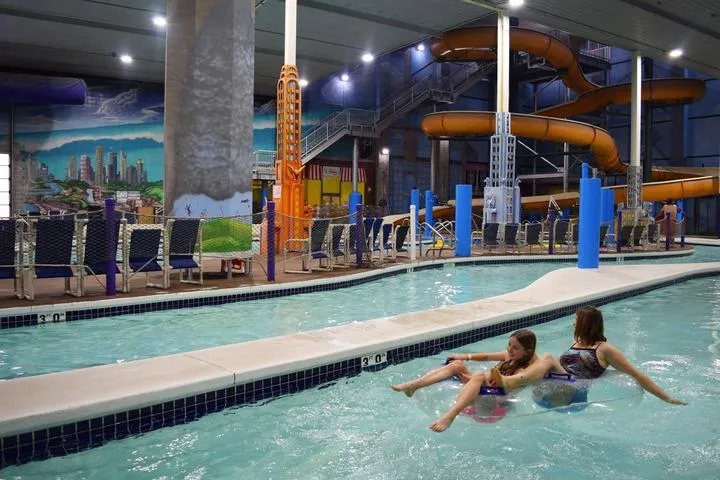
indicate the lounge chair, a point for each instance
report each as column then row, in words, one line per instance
column 603, row 234
column 490, row 236
column 510, row 232
column 51, row 252
column 653, row 236
column 94, row 252
column 312, row 248
column 533, row 235
column 626, row 237
column 182, row 235
column 10, row 256
column 337, row 233
column 399, row 237
column 561, row 233
column 141, row 251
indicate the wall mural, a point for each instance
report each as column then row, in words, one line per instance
column 73, row 157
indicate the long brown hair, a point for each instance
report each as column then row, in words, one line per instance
column 527, row 339
column 589, row 326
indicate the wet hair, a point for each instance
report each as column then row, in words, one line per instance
column 589, row 326
column 527, row 339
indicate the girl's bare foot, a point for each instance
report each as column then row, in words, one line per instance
column 441, row 424
column 406, row 388
column 496, row 378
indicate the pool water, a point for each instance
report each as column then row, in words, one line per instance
column 64, row 346
column 360, row 429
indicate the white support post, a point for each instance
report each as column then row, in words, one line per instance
column 413, row 236
column 636, row 109
column 503, row 63
column 290, row 31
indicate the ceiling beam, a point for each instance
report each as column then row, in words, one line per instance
column 673, row 17
column 346, row 12
column 48, row 17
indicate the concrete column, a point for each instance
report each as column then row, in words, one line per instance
column 647, row 156
column 440, row 167
column 382, row 177
column 208, row 107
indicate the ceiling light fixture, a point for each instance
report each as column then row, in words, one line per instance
column 385, row 151
column 368, row 57
column 303, row 83
column 516, row 3
column 344, row 77
column 675, row 53
column 127, row 59
column 159, row 21
column 420, row 47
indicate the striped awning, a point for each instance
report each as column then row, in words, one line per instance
column 315, row 172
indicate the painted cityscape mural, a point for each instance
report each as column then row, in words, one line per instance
column 73, row 157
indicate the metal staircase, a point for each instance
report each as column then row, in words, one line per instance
column 370, row 123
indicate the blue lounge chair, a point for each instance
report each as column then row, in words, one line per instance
column 9, row 256
column 182, row 235
column 141, row 251
column 337, row 232
column 51, row 252
column 314, row 247
column 95, row 251
column 490, row 236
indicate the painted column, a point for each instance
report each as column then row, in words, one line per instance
column 463, row 220
column 589, row 230
column 210, row 48
column 415, row 201
column 429, row 202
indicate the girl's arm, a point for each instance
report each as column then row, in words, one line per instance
column 615, row 357
column 479, row 357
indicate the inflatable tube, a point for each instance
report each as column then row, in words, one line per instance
column 612, row 392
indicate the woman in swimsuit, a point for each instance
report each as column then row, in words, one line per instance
column 519, row 355
column 588, row 357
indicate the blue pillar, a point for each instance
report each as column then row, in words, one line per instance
column 680, row 210
column 607, row 208
column 415, row 200
column 429, row 211
column 359, row 238
column 589, row 231
column 354, row 200
column 270, row 242
column 110, row 266
column 463, row 220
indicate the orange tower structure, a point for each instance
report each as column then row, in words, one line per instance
column 288, row 163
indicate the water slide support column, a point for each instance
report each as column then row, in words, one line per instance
column 634, row 174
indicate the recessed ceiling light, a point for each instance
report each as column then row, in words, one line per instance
column 385, row 151
column 516, row 3
column 421, row 47
column 368, row 57
column 303, row 83
column 126, row 59
column 159, row 21
column 345, row 77
column 675, row 53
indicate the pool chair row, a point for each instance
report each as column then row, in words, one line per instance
column 334, row 245
column 566, row 235
column 508, row 236
column 645, row 237
column 70, row 248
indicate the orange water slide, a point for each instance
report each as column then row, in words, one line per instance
column 475, row 44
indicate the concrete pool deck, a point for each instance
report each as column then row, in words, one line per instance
column 43, row 401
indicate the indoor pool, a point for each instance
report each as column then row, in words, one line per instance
column 360, row 429
column 63, row 346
